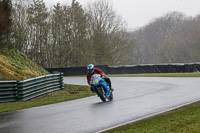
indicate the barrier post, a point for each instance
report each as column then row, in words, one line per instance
column 61, row 81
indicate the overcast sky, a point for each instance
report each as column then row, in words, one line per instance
column 140, row 12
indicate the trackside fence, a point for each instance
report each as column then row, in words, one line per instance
column 133, row 69
column 27, row 89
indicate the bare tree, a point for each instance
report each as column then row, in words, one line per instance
column 37, row 20
column 20, row 33
column 79, row 34
column 182, row 46
column 5, row 23
column 107, row 34
column 149, row 38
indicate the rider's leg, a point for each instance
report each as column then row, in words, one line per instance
column 109, row 82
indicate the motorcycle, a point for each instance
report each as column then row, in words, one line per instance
column 101, row 87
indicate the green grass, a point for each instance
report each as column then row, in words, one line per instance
column 70, row 92
column 158, row 75
column 182, row 120
column 17, row 66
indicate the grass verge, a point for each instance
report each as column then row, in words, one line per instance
column 151, row 75
column 70, row 92
column 182, row 120
column 158, row 75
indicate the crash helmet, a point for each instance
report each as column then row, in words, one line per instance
column 90, row 68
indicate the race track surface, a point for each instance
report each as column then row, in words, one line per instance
column 134, row 98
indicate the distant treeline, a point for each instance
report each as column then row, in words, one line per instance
column 173, row 38
column 70, row 35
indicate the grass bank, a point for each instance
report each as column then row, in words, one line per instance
column 70, row 92
column 17, row 66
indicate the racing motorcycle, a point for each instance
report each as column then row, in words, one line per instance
column 101, row 87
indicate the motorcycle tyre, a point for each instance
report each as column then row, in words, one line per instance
column 100, row 94
column 110, row 98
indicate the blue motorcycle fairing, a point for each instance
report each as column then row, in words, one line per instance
column 98, row 81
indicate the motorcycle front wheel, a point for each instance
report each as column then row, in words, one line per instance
column 101, row 93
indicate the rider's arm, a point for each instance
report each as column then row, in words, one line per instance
column 88, row 78
column 99, row 71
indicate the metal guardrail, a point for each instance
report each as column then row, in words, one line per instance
column 31, row 88
column 8, row 91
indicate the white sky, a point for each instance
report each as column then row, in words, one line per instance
column 139, row 12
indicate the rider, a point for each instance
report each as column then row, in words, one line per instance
column 92, row 70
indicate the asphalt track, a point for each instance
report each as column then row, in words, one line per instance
column 134, row 98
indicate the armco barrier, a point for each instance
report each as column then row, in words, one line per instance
column 8, row 91
column 31, row 88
